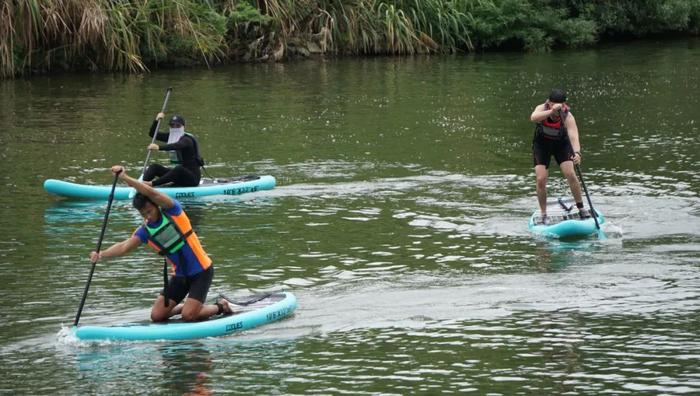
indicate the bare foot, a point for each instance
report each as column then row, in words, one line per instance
column 227, row 307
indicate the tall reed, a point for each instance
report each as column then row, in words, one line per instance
column 135, row 35
column 41, row 35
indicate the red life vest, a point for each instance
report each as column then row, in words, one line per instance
column 553, row 129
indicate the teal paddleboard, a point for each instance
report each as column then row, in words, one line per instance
column 254, row 311
column 231, row 186
column 563, row 223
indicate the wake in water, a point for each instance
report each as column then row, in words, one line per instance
column 66, row 337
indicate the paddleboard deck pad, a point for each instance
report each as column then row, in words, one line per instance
column 564, row 221
column 220, row 186
column 249, row 312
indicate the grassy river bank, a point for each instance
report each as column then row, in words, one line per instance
column 38, row 36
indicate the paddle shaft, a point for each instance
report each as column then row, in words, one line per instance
column 155, row 133
column 99, row 245
column 588, row 197
column 251, row 300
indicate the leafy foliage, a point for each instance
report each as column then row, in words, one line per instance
column 133, row 35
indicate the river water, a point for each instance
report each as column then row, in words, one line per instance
column 399, row 221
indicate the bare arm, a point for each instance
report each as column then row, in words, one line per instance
column 118, row 249
column 154, row 195
column 540, row 114
column 572, row 129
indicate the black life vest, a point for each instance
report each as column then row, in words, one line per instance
column 551, row 129
column 176, row 155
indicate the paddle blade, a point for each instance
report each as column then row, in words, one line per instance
column 601, row 234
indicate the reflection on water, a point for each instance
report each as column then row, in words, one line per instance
column 185, row 368
column 542, row 353
column 180, row 368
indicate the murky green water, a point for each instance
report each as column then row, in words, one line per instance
column 399, row 222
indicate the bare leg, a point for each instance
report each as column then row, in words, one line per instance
column 567, row 168
column 541, row 183
column 161, row 313
column 194, row 310
column 177, row 310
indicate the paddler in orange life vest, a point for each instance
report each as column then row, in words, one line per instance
column 167, row 229
column 556, row 134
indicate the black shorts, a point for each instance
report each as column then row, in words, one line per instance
column 543, row 150
column 197, row 286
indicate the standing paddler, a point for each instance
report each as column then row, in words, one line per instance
column 556, row 134
column 167, row 229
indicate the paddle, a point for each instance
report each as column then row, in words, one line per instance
column 155, row 133
column 563, row 205
column 248, row 301
column 601, row 234
column 99, row 245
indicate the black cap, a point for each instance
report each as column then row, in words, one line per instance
column 176, row 119
column 557, row 96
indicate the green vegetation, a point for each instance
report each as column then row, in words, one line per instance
column 134, row 35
